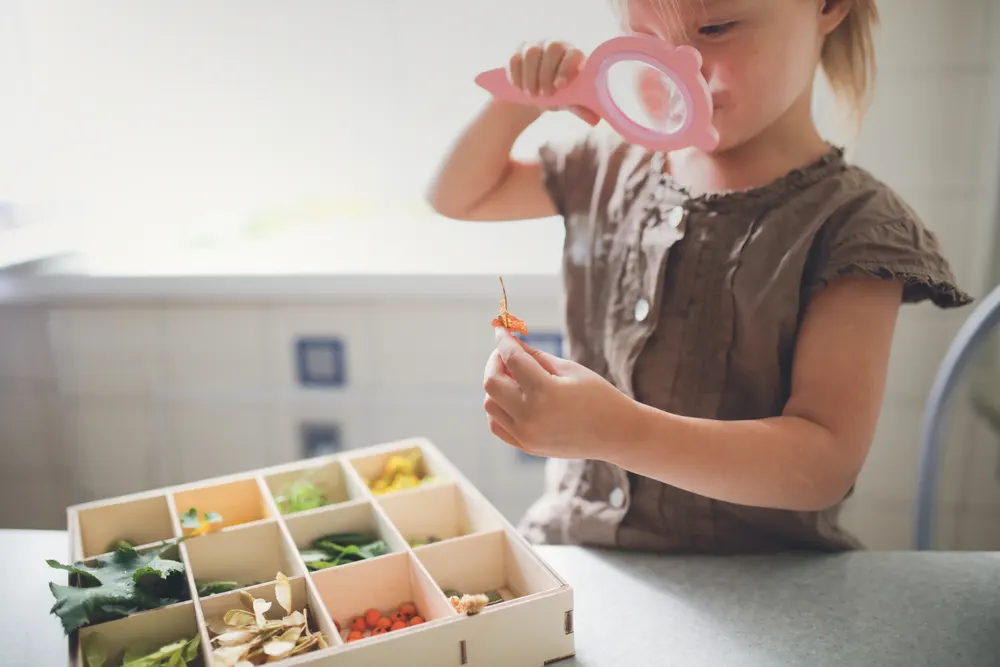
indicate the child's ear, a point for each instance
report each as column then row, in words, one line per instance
column 833, row 14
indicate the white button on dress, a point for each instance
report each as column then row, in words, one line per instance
column 641, row 310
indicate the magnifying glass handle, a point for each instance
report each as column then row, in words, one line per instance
column 496, row 83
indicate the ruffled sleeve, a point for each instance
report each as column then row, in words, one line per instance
column 883, row 238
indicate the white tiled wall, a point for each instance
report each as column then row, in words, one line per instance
column 142, row 396
column 932, row 135
column 110, row 444
column 208, row 349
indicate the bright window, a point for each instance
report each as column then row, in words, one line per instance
column 145, row 122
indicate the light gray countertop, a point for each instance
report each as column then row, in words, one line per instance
column 869, row 608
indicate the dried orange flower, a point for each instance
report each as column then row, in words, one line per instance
column 505, row 319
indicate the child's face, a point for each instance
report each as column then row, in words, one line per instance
column 760, row 56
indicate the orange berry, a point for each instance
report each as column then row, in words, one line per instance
column 416, row 620
column 354, row 636
column 408, row 609
column 398, row 625
column 384, row 623
column 379, row 631
column 358, row 624
column 372, row 616
column 397, row 617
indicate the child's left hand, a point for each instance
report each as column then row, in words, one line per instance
column 552, row 407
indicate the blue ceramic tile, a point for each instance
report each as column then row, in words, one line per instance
column 321, row 362
column 320, row 439
column 547, row 341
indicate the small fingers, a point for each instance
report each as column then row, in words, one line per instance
column 569, row 67
column 501, row 423
column 549, row 66
column 515, row 68
column 542, row 69
column 501, row 388
column 502, row 433
column 531, row 56
column 497, row 413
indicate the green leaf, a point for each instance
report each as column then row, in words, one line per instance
column 376, row 548
column 84, row 577
column 120, row 544
column 213, row 517
column 96, row 650
column 332, row 550
column 346, row 539
column 338, row 552
column 191, row 652
column 215, row 587
column 136, row 650
column 177, row 653
column 351, row 552
column 301, row 496
column 314, row 555
column 320, row 565
column 189, row 520
column 118, row 585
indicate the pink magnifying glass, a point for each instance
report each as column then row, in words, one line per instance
column 651, row 93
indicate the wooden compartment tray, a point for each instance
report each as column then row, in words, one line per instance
column 462, row 543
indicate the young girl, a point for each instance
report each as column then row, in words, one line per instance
column 729, row 314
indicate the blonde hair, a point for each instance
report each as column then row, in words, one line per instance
column 847, row 58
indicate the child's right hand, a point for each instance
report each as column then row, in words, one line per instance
column 543, row 68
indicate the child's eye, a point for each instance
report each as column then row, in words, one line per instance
column 717, row 29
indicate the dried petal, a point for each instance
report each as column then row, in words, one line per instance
column 256, row 656
column 259, row 607
column 278, row 649
column 244, row 663
column 295, row 618
column 291, row 635
column 305, row 646
column 505, row 319
column 235, row 638
column 322, row 642
column 228, row 656
column 217, row 625
column 238, row 618
column 247, row 600
column 283, row 592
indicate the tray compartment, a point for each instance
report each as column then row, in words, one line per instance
column 140, row 521
column 238, row 502
column 425, row 465
column 304, row 600
column 154, row 629
column 383, row 584
column 442, row 512
column 487, row 562
column 249, row 555
column 329, row 476
column 359, row 517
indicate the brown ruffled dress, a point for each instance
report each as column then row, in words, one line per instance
column 692, row 305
